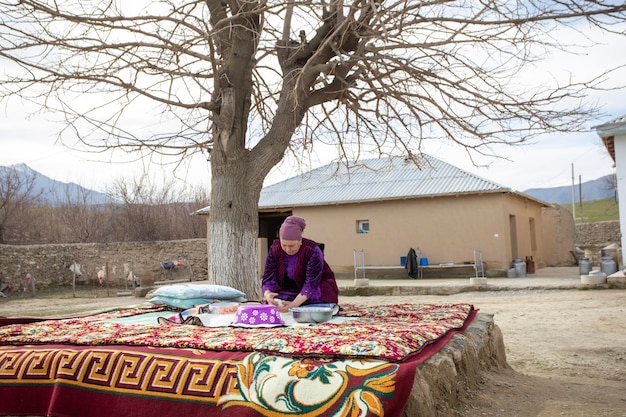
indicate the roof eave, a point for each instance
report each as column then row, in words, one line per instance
column 372, row 200
column 528, row 197
column 607, row 131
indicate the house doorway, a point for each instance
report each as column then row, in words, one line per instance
column 269, row 225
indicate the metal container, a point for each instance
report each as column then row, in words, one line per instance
column 608, row 265
column 584, row 266
column 312, row 314
column 613, row 251
column 520, row 267
column 530, row 265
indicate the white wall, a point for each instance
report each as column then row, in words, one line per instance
column 620, row 171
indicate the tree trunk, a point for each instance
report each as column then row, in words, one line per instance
column 234, row 226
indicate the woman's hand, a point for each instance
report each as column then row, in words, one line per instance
column 270, row 297
column 284, row 306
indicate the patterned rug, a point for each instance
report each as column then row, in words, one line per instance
column 389, row 332
column 362, row 365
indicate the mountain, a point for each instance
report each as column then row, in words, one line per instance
column 598, row 189
column 55, row 192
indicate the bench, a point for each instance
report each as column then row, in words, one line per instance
column 359, row 264
column 477, row 265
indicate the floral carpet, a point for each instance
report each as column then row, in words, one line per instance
column 389, row 332
column 362, row 363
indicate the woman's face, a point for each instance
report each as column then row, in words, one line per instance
column 291, row 247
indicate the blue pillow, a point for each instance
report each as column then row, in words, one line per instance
column 185, row 303
column 207, row 291
column 179, row 302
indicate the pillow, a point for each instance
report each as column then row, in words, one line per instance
column 178, row 302
column 187, row 291
column 184, row 303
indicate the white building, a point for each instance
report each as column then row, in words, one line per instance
column 613, row 136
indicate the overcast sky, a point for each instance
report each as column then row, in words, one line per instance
column 548, row 162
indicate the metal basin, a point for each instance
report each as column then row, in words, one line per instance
column 312, row 314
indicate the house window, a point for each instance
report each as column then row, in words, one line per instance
column 362, row 226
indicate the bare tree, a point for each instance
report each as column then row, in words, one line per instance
column 610, row 183
column 78, row 214
column 138, row 215
column 18, row 193
column 155, row 211
column 186, row 225
column 250, row 80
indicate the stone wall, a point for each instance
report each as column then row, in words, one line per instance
column 593, row 237
column 598, row 234
column 50, row 264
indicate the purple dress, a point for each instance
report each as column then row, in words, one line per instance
column 304, row 273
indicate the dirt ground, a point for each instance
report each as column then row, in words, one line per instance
column 566, row 348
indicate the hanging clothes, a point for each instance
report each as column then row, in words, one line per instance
column 412, row 265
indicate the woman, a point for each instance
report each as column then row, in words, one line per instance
column 295, row 270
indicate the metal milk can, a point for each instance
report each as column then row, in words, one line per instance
column 584, row 266
column 520, row 267
column 608, row 265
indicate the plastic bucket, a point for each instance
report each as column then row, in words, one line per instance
column 403, row 261
column 423, row 261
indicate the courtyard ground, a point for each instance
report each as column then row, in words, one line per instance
column 566, row 347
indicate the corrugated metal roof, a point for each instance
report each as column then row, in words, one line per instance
column 607, row 132
column 375, row 179
column 613, row 128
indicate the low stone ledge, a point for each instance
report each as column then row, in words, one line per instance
column 617, row 280
column 442, row 289
column 446, row 378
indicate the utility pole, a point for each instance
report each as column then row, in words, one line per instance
column 580, row 197
column 573, row 195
